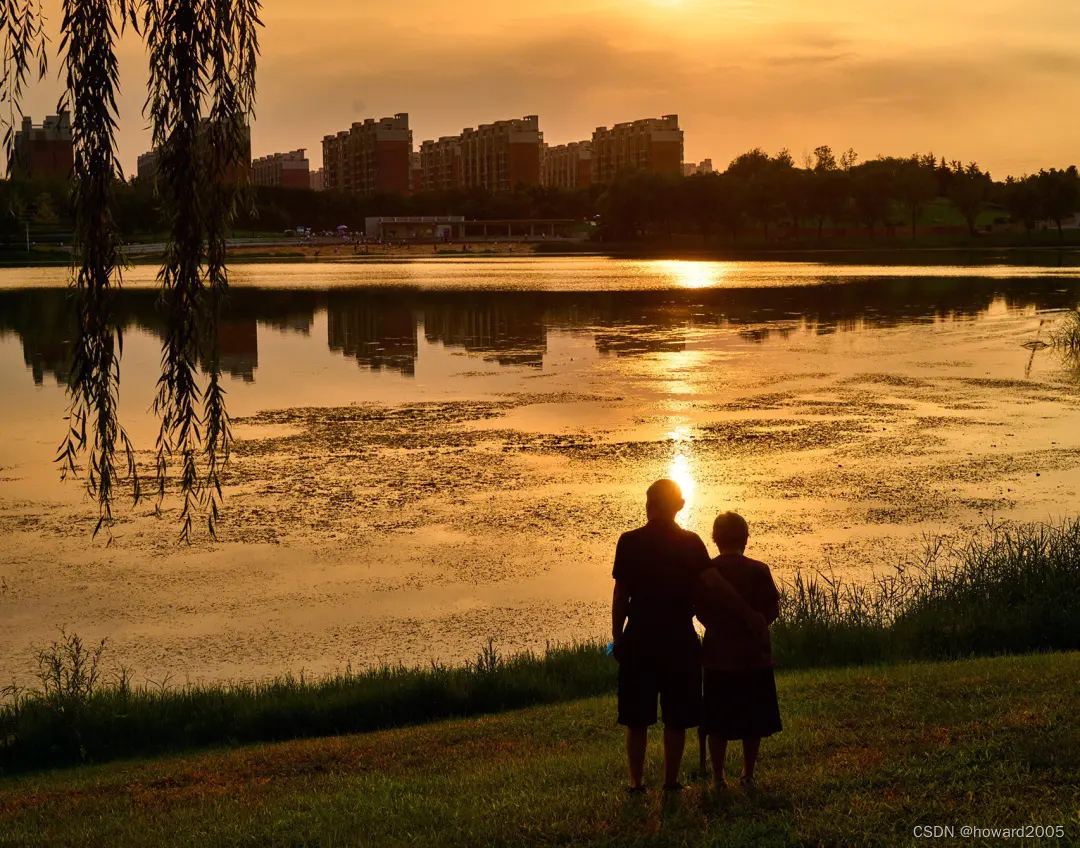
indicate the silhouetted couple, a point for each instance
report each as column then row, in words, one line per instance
column 663, row 579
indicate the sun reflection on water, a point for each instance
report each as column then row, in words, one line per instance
column 693, row 275
column 681, row 473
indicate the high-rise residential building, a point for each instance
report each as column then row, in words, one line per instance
column 567, row 165
column 440, row 164
column 317, row 180
column 45, row 151
column 416, row 173
column 235, row 172
column 282, row 170
column 371, row 157
column 503, row 155
column 497, row 157
column 652, row 144
column 690, row 169
column 147, row 168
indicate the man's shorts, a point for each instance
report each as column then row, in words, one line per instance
column 677, row 685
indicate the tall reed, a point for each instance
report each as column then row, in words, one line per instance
column 1009, row 589
column 1066, row 336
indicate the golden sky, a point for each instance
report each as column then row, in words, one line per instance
column 993, row 80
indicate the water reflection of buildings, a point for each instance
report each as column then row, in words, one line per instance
column 238, row 349
column 380, row 336
column 505, row 335
column 47, row 356
column 379, row 327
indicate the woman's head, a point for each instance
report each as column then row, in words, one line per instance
column 730, row 532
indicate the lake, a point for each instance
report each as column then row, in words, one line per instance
column 433, row 453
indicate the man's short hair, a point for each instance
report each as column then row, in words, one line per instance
column 730, row 528
column 666, row 495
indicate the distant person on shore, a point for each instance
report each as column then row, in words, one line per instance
column 740, row 687
column 657, row 569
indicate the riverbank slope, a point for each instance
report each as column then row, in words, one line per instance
column 867, row 755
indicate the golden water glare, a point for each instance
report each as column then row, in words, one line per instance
column 693, row 275
column 681, row 473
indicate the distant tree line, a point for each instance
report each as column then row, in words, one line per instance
column 770, row 193
column 760, row 195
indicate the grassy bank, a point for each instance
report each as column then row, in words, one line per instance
column 866, row 755
column 81, row 714
column 1010, row 590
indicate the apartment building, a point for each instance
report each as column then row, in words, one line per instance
column 371, row 157
column 567, row 165
column 235, row 172
column 416, row 173
column 282, row 170
column 440, row 164
column 690, row 169
column 45, row 150
column 497, row 157
column 147, row 167
column 503, row 155
column 317, row 180
column 652, row 144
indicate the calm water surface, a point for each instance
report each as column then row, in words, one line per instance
column 432, row 453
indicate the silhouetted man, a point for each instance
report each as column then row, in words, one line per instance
column 652, row 622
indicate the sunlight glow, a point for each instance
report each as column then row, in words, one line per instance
column 693, row 275
column 680, row 472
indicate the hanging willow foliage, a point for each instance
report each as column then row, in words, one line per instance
column 203, row 56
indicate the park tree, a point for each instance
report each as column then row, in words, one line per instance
column 915, row 186
column 1059, row 194
column 731, row 209
column 703, row 199
column 761, row 185
column 826, row 188
column 823, row 160
column 44, row 211
column 968, row 191
column 1021, row 197
column 626, row 207
column 201, row 90
column 872, row 187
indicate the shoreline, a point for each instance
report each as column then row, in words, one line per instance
column 331, row 252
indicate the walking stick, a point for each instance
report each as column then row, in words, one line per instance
column 703, row 763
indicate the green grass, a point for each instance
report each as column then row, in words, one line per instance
column 866, row 755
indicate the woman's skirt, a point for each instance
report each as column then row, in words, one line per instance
column 741, row 704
